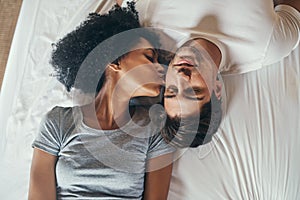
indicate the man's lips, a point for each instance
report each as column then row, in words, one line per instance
column 182, row 62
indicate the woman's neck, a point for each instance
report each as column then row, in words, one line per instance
column 110, row 109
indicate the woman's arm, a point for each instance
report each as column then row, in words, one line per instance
column 42, row 176
column 157, row 180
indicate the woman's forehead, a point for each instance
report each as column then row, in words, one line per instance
column 142, row 43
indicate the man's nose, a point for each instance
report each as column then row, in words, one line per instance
column 185, row 72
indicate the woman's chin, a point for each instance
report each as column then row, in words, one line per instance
column 156, row 91
column 148, row 92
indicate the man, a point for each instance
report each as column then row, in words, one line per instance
column 248, row 35
column 192, row 98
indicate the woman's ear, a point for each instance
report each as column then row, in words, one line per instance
column 218, row 89
column 114, row 67
column 119, row 2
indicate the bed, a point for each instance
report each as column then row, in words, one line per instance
column 254, row 155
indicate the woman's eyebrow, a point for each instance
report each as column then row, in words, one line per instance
column 154, row 51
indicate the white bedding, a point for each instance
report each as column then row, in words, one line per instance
column 254, row 155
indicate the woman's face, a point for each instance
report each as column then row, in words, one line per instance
column 141, row 75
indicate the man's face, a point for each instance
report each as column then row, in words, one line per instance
column 190, row 79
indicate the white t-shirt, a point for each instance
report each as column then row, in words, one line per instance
column 250, row 34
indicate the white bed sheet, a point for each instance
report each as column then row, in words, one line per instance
column 28, row 90
column 254, row 155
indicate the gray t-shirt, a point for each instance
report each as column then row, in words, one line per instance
column 98, row 164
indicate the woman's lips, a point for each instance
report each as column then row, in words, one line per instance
column 161, row 74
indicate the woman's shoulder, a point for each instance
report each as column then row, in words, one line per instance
column 60, row 113
column 58, row 110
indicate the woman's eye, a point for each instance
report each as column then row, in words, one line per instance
column 150, row 58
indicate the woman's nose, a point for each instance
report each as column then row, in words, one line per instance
column 160, row 68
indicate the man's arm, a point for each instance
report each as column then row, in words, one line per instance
column 293, row 3
column 42, row 176
column 286, row 31
column 158, row 178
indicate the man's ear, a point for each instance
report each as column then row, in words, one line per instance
column 114, row 67
column 218, row 89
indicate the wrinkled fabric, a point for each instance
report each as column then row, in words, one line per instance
column 98, row 164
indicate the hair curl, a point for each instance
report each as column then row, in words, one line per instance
column 70, row 52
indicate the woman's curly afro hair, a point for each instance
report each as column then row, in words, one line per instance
column 70, row 52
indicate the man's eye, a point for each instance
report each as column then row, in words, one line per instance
column 194, row 91
column 194, row 94
column 168, row 96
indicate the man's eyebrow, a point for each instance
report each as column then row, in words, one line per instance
column 195, row 90
column 172, row 87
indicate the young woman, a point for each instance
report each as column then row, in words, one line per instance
column 103, row 150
